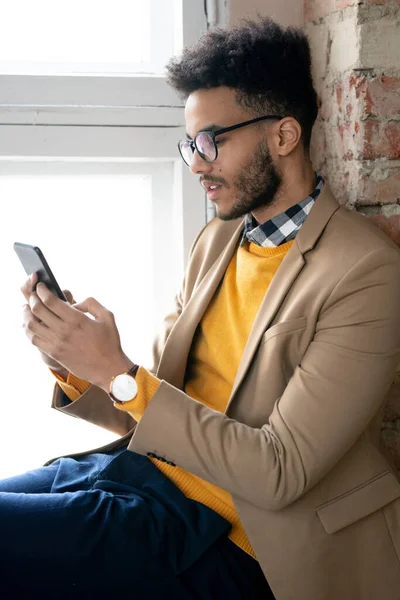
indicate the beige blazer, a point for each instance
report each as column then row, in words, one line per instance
column 299, row 445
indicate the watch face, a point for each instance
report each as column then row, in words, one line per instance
column 124, row 387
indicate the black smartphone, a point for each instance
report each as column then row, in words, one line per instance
column 33, row 261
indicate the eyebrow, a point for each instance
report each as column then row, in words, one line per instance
column 212, row 127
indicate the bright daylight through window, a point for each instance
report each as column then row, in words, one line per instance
column 97, row 36
column 88, row 259
column 90, row 173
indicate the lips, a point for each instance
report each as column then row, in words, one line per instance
column 214, row 192
column 210, row 186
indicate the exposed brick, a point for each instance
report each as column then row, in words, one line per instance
column 341, row 99
column 357, row 84
column 379, row 187
column 342, row 140
column 377, row 97
column 346, row 143
column 359, row 115
column 343, row 179
column 382, row 97
column 348, row 139
column 389, row 225
column 381, row 140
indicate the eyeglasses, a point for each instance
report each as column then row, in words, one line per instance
column 205, row 144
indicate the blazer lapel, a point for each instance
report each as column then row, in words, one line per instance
column 279, row 287
column 173, row 361
column 284, row 278
column 174, row 357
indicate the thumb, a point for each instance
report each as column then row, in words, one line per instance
column 94, row 308
column 69, row 296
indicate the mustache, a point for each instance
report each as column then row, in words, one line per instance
column 213, row 180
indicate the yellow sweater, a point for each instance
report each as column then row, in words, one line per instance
column 212, row 365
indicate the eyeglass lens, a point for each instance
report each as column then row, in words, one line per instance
column 205, row 147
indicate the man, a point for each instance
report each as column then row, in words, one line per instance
column 254, row 439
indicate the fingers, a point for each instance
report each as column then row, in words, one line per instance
column 55, row 313
column 94, row 308
column 34, row 329
column 49, row 309
column 29, row 286
column 69, row 296
column 50, row 303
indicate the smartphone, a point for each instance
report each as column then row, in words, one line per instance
column 33, row 261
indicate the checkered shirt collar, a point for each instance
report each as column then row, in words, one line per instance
column 285, row 226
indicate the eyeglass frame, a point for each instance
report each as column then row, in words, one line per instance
column 213, row 134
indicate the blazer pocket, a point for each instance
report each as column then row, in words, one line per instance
column 284, row 327
column 359, row 502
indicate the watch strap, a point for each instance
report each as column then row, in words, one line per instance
column 133, row 370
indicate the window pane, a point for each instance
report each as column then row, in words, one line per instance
column 85, row 36
column 96, row 233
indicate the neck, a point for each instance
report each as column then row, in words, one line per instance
column 294, row 188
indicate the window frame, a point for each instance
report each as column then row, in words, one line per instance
column 98, row 118
column 56, row 99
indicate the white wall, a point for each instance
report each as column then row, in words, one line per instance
column 286, row 12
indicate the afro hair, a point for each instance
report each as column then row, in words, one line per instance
column 269, row 67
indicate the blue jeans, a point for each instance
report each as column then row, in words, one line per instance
column 99, row 524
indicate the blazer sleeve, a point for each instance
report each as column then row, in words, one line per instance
column 333, row 394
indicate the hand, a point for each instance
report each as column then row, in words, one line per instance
column 27, row 290
column 88, row 348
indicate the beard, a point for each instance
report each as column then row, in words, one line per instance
column 256, row 185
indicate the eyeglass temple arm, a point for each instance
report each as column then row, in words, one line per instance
column 226, row 129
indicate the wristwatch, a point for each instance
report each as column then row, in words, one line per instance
column 123, row 387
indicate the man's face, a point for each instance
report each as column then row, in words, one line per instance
column 244, row 172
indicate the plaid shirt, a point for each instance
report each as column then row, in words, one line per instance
column 283, row 227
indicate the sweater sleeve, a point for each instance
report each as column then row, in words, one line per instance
column 73, row 387
column 147, row 387
column 147, row 384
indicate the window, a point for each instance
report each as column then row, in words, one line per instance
column 89, row 171
column 92, row 36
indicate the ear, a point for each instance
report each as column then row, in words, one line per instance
column 288, row 136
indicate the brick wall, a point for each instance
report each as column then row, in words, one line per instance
column 356, row 141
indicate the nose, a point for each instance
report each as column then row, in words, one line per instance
column 199, row 166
